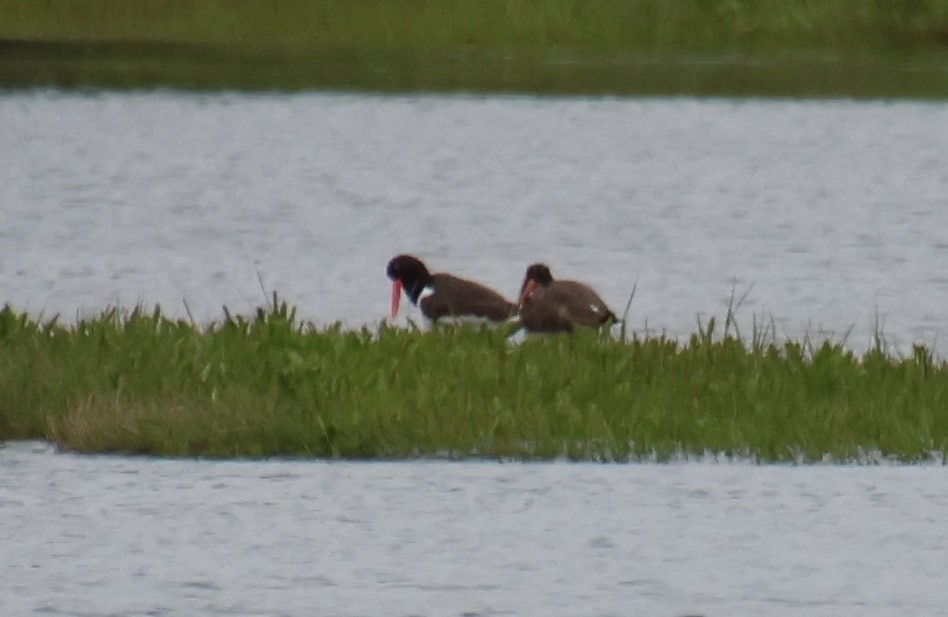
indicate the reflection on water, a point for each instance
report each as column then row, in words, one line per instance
column 828, row 213
column 152, row 63
column 97, row 536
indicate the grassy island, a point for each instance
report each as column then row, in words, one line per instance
column 860, row 48
column 269, row 385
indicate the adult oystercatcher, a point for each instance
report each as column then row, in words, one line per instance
column 548, row 305
column 443, row 295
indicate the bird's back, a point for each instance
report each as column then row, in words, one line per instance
column 456, row 296
column 577, row 302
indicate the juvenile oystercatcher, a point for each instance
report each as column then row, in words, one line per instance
column 443, row 295
column 548, row 305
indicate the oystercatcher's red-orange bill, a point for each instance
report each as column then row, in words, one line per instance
column 528, row 289
column 396, row 296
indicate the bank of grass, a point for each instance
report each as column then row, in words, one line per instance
column 269, row 385
column 795, row 47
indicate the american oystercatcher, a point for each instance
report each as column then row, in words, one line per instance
column 443, row 295
column 548, row 305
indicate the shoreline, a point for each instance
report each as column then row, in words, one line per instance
column 841, row 48
column 269, row 385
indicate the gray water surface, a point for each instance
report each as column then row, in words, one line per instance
column 830, row 215
column 99, row 536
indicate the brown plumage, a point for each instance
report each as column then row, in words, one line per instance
column 548, row 305
column 442, row 295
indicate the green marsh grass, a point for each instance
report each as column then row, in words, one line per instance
column 270, row 385
column 770, row 47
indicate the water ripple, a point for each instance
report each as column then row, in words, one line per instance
column 120, row 198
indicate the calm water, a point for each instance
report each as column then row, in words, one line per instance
column 830, row 214
column 99, row 536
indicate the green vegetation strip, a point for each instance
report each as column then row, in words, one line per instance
column 268, row 385
column 770, row 47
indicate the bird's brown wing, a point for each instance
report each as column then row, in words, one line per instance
column 462, row 297
column 539, row 313
column 581, row 305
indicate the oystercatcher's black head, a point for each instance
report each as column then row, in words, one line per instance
column 538, row 275
column 409, row 272
column 408, row 269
